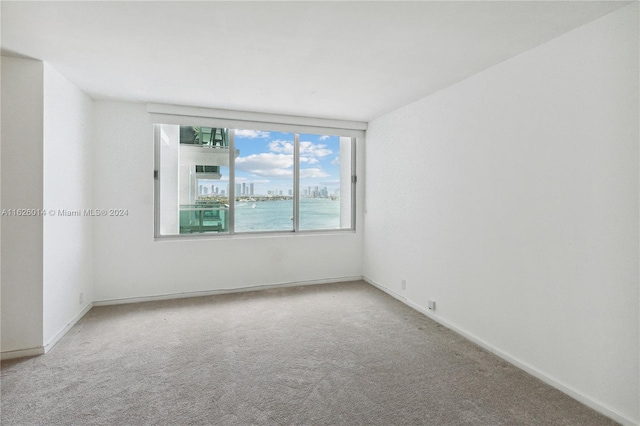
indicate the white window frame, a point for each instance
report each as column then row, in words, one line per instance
column 191, row 116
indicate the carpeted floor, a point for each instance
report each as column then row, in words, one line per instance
column 335, row 354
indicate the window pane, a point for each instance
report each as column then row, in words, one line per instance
column 263, row 181
column 210, row 210
column 194, row 178
column 325, row 182
column 193, row 183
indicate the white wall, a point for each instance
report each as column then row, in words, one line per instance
column 511, row 199
column 68, row 182
column 129, row 263
column 22, row 187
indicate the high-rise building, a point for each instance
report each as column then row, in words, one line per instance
column 244, row 188
column 238, row 188
column 251, row 188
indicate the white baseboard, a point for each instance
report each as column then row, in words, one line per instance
column 107, row 302
column 41, row 350
column 575, row 394
column 22, row 353
column 44, row 349
column 52, row 343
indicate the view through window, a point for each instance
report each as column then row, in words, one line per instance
column 220, row 180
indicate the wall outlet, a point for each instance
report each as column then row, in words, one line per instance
column 81, row 298
column 403, row 284
column 432, row 305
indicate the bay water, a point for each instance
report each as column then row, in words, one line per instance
column 315, row 213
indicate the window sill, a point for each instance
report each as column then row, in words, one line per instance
column 254, row 235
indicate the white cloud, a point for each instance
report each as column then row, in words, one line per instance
column 275, row 173
column 309, row 160
column 252, row 134
column 309, row 149
column 285, row 147
column 324, row 137
column 335, row 161
column 279, row 162
column 312, row 173
column 266, row 164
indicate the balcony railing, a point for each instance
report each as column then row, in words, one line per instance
column 198, row 218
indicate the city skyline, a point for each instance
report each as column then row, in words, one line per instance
column 265, row 162
column 248, row 190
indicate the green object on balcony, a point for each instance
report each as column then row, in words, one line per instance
column 204, row 217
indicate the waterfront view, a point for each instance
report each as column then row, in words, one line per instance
column 196, row 176
column 278, row 215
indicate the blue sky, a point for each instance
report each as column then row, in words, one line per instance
column 266, row 159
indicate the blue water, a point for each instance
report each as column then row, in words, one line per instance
column 315, row 213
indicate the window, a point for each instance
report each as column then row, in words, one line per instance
column 229, row 181
column 265, row 165
column 325, row 194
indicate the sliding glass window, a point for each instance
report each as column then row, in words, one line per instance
column 228, row 181
column 264, row 181
column 325, row 182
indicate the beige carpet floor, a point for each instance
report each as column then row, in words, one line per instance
column 335, row 354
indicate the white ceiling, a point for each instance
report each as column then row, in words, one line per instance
column 344, row 60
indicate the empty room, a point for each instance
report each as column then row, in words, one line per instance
column 320, row 213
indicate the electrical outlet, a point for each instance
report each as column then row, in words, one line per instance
column 432, row 305
column 81, row 298
column 403, row 284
